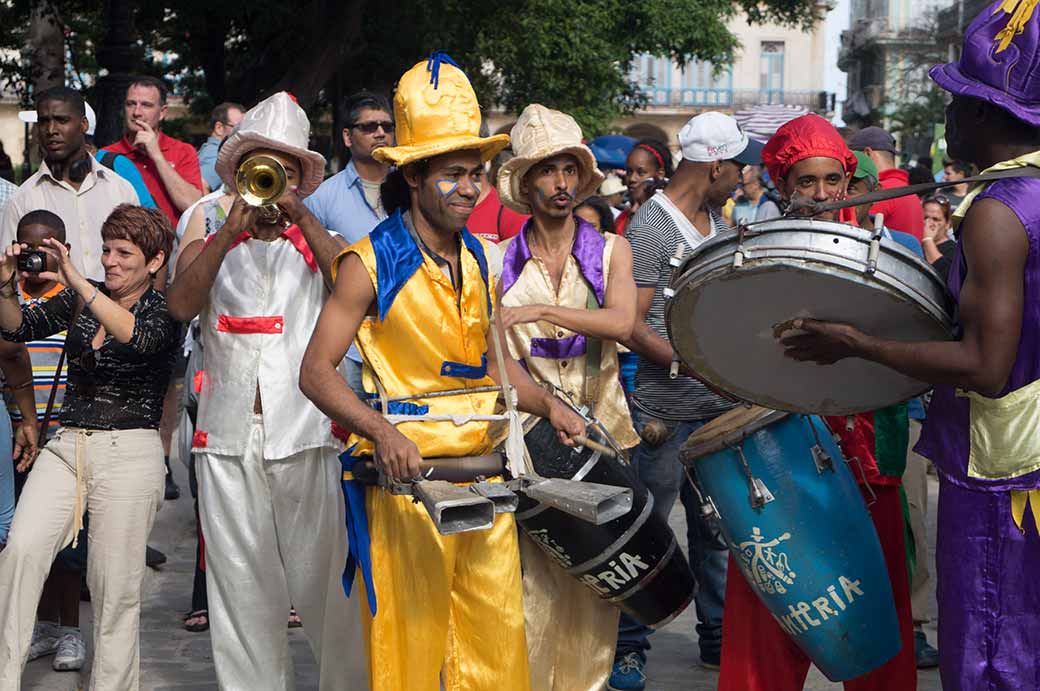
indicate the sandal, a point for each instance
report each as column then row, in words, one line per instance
column 197, row 621
column 294, row 619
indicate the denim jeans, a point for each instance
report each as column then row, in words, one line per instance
column 660, row 470
column 352, row 373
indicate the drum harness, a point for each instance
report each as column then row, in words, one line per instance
column 454, row 508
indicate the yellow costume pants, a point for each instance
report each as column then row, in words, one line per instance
column 571, row 633
column 449, row 607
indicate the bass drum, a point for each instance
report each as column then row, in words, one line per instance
column 633, row 561
column 737, row 294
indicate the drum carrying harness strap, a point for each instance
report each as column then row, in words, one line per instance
column 593, row 358
column 805, row 206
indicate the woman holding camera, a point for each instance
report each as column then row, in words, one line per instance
column 107, row 456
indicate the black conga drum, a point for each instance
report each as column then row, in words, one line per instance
column 633, row 561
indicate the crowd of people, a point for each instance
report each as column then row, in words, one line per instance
column 420, row 309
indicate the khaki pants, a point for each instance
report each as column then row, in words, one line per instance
column 121, row 475
column 915, row 484
column 276, row 533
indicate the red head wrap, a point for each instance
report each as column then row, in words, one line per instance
column 805, row 137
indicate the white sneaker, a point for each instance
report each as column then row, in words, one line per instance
column 45, row 639
column 72, row 652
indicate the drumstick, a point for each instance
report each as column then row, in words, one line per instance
column 595, row 446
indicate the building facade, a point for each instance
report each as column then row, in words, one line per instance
column 887, row 51
column 773, row 65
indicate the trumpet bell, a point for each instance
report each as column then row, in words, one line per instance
column 261, row 180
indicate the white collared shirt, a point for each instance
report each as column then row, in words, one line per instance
column 83, row 211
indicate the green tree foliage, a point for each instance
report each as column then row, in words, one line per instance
column 575, row 56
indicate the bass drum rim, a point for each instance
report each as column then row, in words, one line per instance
column 714, row 260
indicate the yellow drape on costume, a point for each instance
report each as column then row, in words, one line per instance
column 1019, row 499
column 1031, row 159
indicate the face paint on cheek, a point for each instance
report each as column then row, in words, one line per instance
column 447, row 187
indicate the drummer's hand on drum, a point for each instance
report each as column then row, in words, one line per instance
column 566, row 422
column 823, row 343
column 397, row 455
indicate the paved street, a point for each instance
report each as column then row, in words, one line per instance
column 174, row 659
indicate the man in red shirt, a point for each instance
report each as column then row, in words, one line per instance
column 170, row 167
column 901, row 213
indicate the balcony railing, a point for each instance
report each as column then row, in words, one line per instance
column 661, row 97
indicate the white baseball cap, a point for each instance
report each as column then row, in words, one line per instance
column 714, row 136
column 29, row 116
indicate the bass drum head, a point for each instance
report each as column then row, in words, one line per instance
column 723, row 324
column 727, row 430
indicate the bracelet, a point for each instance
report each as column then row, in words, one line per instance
column 927, row 239
column 24, row 385
column 93, row 297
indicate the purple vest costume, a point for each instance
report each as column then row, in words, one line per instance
column 989, row 592
column 945, row 437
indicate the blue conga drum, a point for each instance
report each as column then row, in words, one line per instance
column 794, row 519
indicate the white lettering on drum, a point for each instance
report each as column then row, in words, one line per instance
column 620, row 573
column 799, row 618
column 552, row 547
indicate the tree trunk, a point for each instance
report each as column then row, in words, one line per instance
column 119, row 55
column 46, row 47
column 325, row 52
column 213, row 65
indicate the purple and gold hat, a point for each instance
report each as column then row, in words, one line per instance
column 1000, row 60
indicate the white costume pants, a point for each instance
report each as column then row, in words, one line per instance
column 275, row 534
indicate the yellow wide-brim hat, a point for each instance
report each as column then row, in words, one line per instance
column 436, row 112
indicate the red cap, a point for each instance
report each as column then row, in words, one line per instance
column 805, row 137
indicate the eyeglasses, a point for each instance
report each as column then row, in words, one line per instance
column 941, row 201
column 371, row 127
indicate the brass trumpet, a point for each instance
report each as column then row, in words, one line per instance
column 261, row 181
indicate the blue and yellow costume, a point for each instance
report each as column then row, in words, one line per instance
column 442, row 609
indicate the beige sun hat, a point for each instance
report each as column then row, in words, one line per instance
column 278, row 123
column 540, row 133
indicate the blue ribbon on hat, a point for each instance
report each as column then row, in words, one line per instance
column 433, row 65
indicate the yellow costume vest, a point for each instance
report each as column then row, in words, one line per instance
column 424, row 338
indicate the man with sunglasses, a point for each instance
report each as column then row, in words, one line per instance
column 222, row 121
column 348, row 203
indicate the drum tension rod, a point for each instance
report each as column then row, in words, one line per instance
column 821, row 458
column 875, row 243
column 705, row 505
column 739, row 253
column 674, row 262
column 758, row 493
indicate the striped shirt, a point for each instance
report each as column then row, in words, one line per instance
column 44, row 354
column 654, row 233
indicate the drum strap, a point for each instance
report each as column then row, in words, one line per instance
column 593, row 358
column 810, row 207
